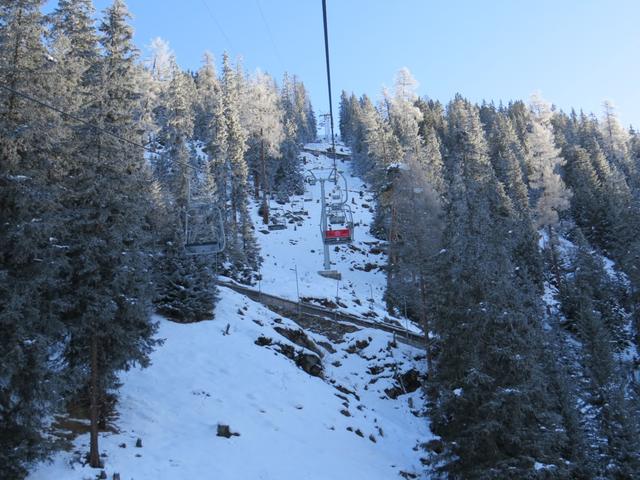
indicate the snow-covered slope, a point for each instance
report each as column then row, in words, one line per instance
column 300, row 247
column 349, row 418
column 291, row 425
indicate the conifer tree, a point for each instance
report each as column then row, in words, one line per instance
column 616, row 144
column 31, row 249
column 550, row 195
column 108, row 201
column 207, row 92
column 491, row 402
column 265, row 127
column 345, row 120
column 186, row 290
column 242, row 244
column 508, row 157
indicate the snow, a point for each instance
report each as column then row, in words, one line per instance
column 300, row 247
column 542, row 466
column 289, row 422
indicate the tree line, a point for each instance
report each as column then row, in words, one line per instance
column 100, row 153
column 512, row 238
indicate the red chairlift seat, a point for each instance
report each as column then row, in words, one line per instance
column 338, row 236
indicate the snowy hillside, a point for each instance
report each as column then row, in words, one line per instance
column 291, row 424
column 332, row 401
column 299, row 247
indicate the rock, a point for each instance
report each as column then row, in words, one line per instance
column 436, row 446
column 225, row 431
column 263, row 341
column 287, row 350
column 310, row 363
column 359, row 345
column 345, row 412
column 408, row 382
column 327, row 346
column 299, row 338
column 102, row 475
column 346, row 391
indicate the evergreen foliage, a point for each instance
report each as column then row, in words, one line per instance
column 479, row 206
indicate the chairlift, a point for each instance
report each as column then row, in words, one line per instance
column 204, row 229
column 308, row 195
column 339, row 230
column 277, row 220
column 297, row 208
column 336, row 214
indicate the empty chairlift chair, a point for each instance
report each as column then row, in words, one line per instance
column 204, row 229
column 277, row 220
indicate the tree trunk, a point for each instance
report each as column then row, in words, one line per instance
column 94, row 454
column 425, row 320
column 265, row 203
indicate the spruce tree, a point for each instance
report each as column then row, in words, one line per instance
column 108, row 201
column 31, row 247
column 186, row 289
column 491, row 399
column 242, row 245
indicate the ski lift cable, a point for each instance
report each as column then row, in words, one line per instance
column 219, row 27
column 271, row 37
column 326, row 52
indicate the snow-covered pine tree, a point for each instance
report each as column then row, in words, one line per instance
column 305, row 118
column 345, row 122
column 491, row 399
column 31, row 252
column 616, row 145
column 264, row 123
column 207, row 93
column 109, row 244
column 242, row 246
column 186, row 287
column 549, row 193
column 508, row 158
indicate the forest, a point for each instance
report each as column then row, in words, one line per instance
column 511, row 235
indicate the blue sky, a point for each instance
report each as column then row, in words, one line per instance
column 576, row 52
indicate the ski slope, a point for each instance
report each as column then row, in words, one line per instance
column 299, row 247
column 290, row 423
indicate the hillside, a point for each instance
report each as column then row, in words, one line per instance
column 348, row 418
